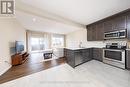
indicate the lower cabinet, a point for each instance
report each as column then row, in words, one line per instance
column 70, row 57
column 98, row 54
column 87, row 54
column 128, row 59
column 77, row 57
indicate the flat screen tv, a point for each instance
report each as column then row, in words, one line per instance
column 19, row 46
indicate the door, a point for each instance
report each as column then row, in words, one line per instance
column 108, row 25
column 87, row 54
column 99, row 32
column 78, row 57
column 128, row 26
column 119, row 22
column 115, row 55
column 91, row 32
column 128, row 60
column 98, row 54
column 70, row 57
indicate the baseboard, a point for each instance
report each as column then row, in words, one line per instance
column 5, row 70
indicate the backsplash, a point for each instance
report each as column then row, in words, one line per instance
column 122, row 42
column 86, row 44
column 99, row 44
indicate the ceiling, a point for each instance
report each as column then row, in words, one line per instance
column 81, row 11
column 36, row 23
column 65, row 16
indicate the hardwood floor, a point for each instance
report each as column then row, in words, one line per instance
column 89, row 74
column 28, row 68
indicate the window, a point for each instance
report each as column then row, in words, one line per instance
column 37, row 44
column 57, row 40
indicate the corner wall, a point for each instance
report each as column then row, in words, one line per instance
column 10, row 31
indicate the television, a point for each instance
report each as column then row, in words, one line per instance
column 19, row 46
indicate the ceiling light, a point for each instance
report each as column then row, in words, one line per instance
column 34, row 19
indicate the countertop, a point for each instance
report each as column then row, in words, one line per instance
column 76, row 48
column 81, row 48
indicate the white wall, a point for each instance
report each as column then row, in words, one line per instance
column 73, row 39
column 10, row 31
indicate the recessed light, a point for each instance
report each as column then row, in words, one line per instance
column 34, row 19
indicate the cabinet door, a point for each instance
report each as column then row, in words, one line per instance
column 108, row 25
column 119, row 22
column 94, row 30
column 98, row 54
column 128, row 26
column 70, row 58
column 99, row 32
column 91, row 33
column 86, row 53
column 128, row 60
column 78, row 57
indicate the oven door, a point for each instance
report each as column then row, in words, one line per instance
column 111, row 35
column 114, row 55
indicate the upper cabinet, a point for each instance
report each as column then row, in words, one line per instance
column 108, row 25
column 115, row 23
column 95, row 32
column 120, row 21
column 99, row 32
column 128, row 26
column 90, row 33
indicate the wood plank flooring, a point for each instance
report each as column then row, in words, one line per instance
column 28, row 68
column 89, row 74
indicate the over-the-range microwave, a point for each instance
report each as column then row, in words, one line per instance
column 115, row 34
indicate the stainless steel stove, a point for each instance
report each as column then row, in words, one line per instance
column 114, row 54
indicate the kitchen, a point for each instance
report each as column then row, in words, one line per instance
column 114, row 32
column 63, row 43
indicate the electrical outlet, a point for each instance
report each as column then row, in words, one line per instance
column 6, row 62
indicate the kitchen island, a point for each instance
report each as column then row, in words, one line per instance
column 77, row 56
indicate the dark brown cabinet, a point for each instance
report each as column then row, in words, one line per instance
column 128, row 59
column 79, row 56
column 99, row 32
column 128, row 26
column 87, row 54
column 119, row 22
column 95, row 32
column 98, row 54
column 91, row 33
column 108, row 25
column 70, row 57
column 115, row 23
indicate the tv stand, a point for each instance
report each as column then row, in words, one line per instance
column 19, row 58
